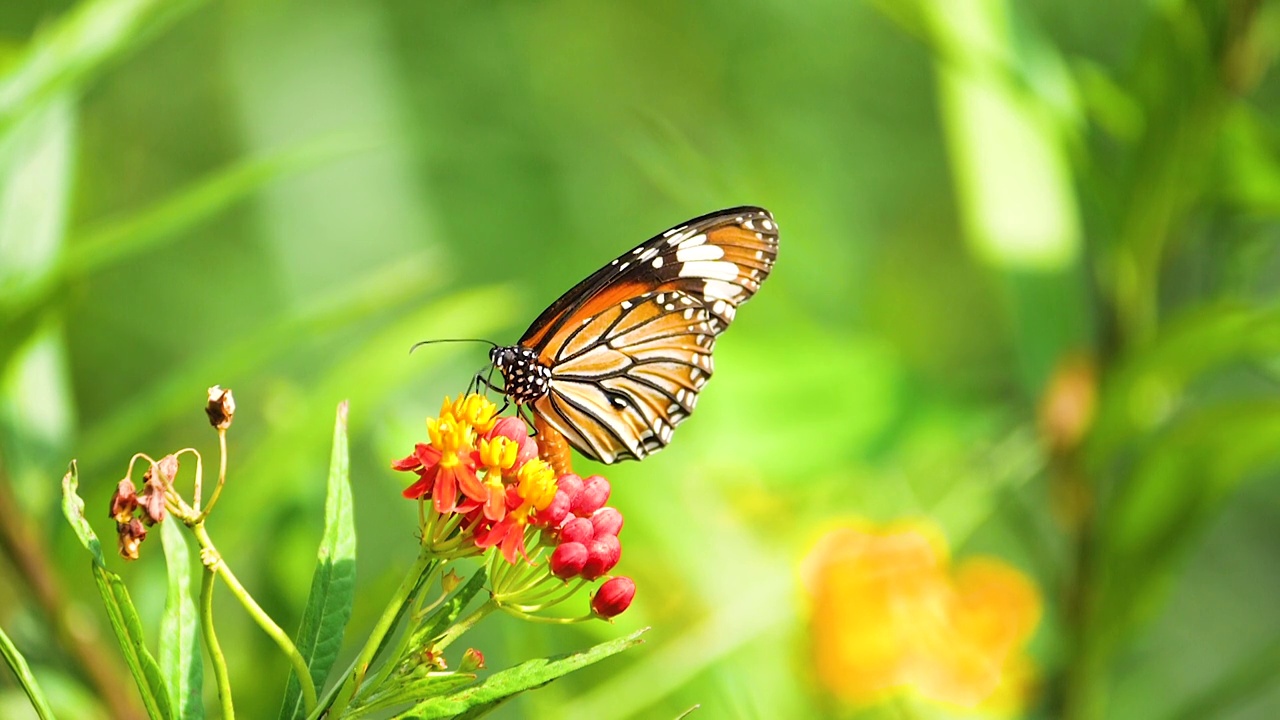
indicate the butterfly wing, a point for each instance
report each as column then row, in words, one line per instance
column 630, row 347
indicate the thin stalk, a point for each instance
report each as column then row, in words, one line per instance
column 465, row 624
column 356, row 675
column 220, row 675
column 260, row 616
column 222, row 475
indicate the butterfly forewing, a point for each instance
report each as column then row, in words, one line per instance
column 629, row 348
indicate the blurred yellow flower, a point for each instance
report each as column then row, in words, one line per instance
column 890, row 615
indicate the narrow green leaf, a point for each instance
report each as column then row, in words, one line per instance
column 114, row 242
column 28, row 681
column 502, row 686
column 80, row 44
column 333, row 584
column 180, row 659
column 120, row 609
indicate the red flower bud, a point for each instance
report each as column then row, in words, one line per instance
column 602, row 554
column 614, row 597
column 606, row 521
column 577, row 530
column 570, row 485
column 568, row 560
column 595, row 493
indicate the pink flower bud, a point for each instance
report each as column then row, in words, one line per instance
column 555, row 513
column 595, row 493
column 514, row 429
column 602, row 554
column 570, row 485
column 568, row 560
column 472, row 660
column 577, row 530
column 606, row 521
column 614, row 596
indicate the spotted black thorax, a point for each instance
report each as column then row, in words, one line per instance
column 525, row 378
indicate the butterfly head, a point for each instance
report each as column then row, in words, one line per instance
column 525, row 378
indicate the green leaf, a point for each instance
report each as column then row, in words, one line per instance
column 120, row 610
column 333, row 584
column 180, row 659
column 502, row 686
column 28, row 681
column 79, row 45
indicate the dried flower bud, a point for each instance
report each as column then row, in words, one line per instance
column 595, row 493
column 167, row 467
column 614, row 597
column 124, row 501
column 472, row 660
column 131, row 534
column 602, row 554
column 568, row 560
column 577, row 530
column 450, row 581
column 1069, row 403
column 606, row 521
column 221, row 408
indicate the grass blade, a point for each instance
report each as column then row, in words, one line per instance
column 333, row 584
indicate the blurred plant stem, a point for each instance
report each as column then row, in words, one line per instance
column 1195, row 60
column 20, row 543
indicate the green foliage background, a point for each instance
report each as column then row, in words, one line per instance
column 283, row 196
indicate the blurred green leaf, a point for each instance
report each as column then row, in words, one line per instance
column 22, row 671
column 180, row 659
column 502, row 686
column 79, row 45
column 114, row 242
column 120, row 610
column 334, row 583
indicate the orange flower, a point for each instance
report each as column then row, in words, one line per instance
column 888, row 614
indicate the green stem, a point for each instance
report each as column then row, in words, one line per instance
column 211, row 644
column 28, row 681
column 464, row 625
column 355, row 677
column 260, row 616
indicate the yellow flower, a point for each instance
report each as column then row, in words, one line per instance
column 889, row 614
column 536, row 485
column 474, row 410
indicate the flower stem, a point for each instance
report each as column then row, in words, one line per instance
column 222, row 475
column 412, row 580
column 465, row 624
column 258, row 614
column 211, row 644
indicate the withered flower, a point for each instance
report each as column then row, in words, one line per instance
column 131, row 534
column 221, row 408
column 124, row 501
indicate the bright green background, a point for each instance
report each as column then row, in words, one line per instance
column 282, row 197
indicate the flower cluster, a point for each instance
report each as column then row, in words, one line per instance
column 486, row 487
column 135, row 511
column 890, row 613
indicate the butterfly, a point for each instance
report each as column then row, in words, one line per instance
column 615, row 364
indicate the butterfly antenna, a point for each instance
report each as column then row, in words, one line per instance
column 417, row 345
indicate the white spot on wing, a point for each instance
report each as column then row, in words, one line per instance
column 719, row 290
column 714, row 269
column 695, row 253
